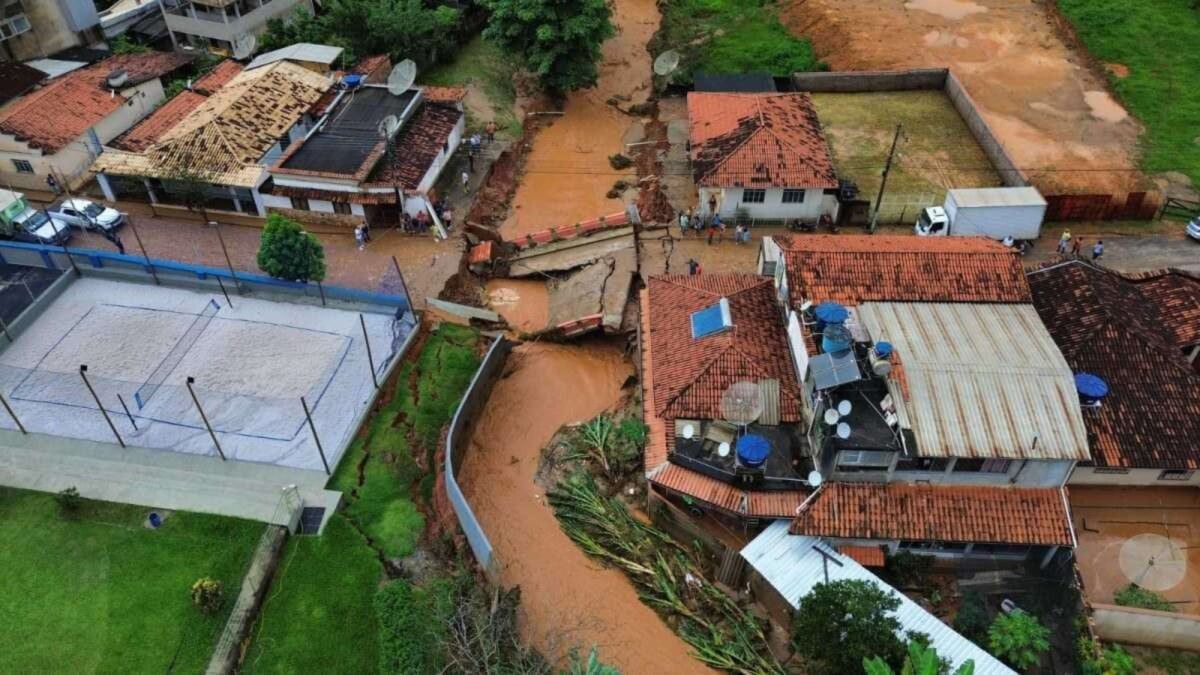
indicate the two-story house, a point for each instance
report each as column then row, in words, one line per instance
column 217, row 25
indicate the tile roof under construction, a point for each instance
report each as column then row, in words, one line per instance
column 943, row 513
column 1128, row 332
column 691, row 374
column 857, row 268
column 166, row 116
column 979, row 380
column 758, row 141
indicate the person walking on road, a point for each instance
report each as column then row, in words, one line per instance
column 490, row 130
column 114, row 239
column 1075, row 245
column 1064, row 241
column 1098, row 250
column 466, row 181
column 359, row 238
column 683, row 224
column 693, row 267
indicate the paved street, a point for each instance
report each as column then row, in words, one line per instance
column 426, row 263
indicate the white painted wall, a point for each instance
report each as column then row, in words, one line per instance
column 1032, row 473
column 443, row 157
column 729, row 200
column 319, row 206
column 1087, row 475
column 276, row 201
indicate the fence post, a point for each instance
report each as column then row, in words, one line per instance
column 13, row 414
column 313, row 429
column 366, row 341
column 190, row 381
column 83, row 374
column 149, row 265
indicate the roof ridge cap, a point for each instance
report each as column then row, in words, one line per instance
column 699, row 374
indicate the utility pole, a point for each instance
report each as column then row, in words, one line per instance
column 887, row 168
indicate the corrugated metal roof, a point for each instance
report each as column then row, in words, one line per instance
column 301, row 51
column 983, row 380
column 1009, row 196
column 793, row 565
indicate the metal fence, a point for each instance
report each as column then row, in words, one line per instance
column 458, row 440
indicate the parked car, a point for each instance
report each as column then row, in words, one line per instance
column 1193, row 229
column 88, row 215
column 20, row 221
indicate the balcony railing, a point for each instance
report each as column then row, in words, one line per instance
column 192, row 19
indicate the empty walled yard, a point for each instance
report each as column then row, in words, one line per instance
column 96, row 592
column 936, row 150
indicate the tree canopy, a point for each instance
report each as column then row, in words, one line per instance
column 402, row 29
column 840, row 623
column 290, row 252
column 558, row 40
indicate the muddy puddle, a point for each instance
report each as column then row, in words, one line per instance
column 952, row 10
column 567, row 172
column 566, row 598
column 524, row 303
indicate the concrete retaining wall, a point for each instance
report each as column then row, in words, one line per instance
column 1147, row 627
column 458, row 440
column 996, row 154
column 254, row 587
column 871, row 80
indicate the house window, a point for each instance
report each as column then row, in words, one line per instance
column 300, row 203
column 864, row 460
column 342, row 208
column 793, row 196
column 922, row 464
column 754, row 196
column 1175, row 474
column 1118, row 470
column 22, row 166
column 963, row 465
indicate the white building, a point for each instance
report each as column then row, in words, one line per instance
column 761, row 156
column 217, row 24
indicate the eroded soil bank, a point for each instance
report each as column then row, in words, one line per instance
column 566, row 599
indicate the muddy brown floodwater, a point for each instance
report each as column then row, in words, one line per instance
column 566, row 599
column 567, row 172
column 524, row 303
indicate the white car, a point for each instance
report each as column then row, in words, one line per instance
column 1193, row 229
column 88, row 215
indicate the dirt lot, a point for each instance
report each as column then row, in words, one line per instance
column 936, row 150
column 1152, row 539
column 1046, row 100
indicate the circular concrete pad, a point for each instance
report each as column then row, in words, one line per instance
column 1153, row 561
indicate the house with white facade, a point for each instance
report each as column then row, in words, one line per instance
column 216, row 24
column 760, row 156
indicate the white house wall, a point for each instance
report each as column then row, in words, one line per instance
column 1031, row 473
column 1088, row 475
column 729, row 201
column 443, row 157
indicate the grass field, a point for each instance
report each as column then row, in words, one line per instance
column 936, row 149
column 730, row 36
column 487, row 73
column 319, row 616
column 1156, row 40
column 99, row 593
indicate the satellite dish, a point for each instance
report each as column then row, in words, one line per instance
column 723, row 449
column 666, row 63
column 843, row 430
column 844, row 408
column 244, row 46
column 689, row 431
column 388, row 126
column 832, row 416
column 742, row 403
column 402, row 77
column 814, row 478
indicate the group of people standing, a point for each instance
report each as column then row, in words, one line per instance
column 712, row 224
column 1068, row 245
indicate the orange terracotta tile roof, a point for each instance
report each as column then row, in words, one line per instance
column 655, row 454
column 852, row 269
column 444, row 94
column 689, row 374
column 900, row 511
column 59, row 113
column 1122, row 330
column 728, row 497
column 218, row 77
column 758, row 140
column 149, row 130
column 1176, row 293
column 867, row 556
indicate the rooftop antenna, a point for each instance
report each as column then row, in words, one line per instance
column 666, row 63
column 244, row 46
column 388, row 126
column 402, row 77
column 742, row 403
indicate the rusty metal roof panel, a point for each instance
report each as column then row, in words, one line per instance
column 980, row 380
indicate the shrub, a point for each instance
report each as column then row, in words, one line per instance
column 921, row 659
column 69, row 500
column 1019, row 638
column 1136, row 596
column 633, row 432
column 972, row 618
column 577, row 665
column 1112, row 660
column 838, row 624
column 908, row 569
column 208, row 595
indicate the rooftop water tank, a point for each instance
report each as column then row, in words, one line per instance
column 1092, row 389
column 836, row 339
column 880, row 358
column 352, row 81
column 752, row 450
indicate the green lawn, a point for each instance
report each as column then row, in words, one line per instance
column 481, row 65
column 730, row 36
column 319, row 616
column 1156, row 40
column 99, row 593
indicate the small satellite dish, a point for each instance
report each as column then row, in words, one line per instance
column 814, row 478
column 843, row 431
column 388, row 126
column 832, row 416
column 244, row 46
column 689, row 431
column 402, row 77
column 666, row 63
column 723, row 449
column 805, row 306
column 844, row 408
column 742, row 403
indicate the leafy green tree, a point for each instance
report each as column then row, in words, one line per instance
column 1019, row 638
column 921, row 659
column 290, row 252
column 840, row 623
column 559, row 40
column 124, row 45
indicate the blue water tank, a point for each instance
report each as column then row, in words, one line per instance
column 352, row 81
column 883, row 349
column 836, row 339
column 831, row 312
column 1092, row 388
column 752, row 450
